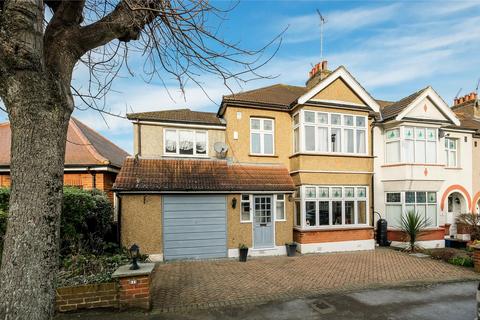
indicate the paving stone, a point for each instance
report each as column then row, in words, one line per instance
column 190, row 285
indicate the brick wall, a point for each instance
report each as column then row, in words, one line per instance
column 319, row 236
column 135, row 292
column 431, row 234
column 476, row 258
column 4, row 180
column 91, row 296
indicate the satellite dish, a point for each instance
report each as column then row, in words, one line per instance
column 220, row 148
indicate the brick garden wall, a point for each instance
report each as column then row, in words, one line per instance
column 431, row 234
column 135, row 292
column 316, row 236
column 90, row 296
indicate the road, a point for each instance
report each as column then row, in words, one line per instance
column 450, row 301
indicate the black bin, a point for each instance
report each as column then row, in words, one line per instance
column 382, row 238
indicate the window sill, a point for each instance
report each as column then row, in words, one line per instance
column 263, row 155
column 331, row 155
column 282, row 220
column 246, row 221
column 453, row 168
column 333, row 228
column 412, row 164
column 185, row 156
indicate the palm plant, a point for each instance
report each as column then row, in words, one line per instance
column 413, row 224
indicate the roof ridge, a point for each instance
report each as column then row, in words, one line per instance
column 88, row 144
column 252, row 90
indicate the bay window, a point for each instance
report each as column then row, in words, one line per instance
column 182, row 142
column 451, row 152
column 398, row 204
column 261, row 136
column 411, row 145
column 332, row 206
column 324, row 132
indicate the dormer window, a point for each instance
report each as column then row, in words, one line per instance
column 186, row 143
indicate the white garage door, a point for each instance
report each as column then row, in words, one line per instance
column 194, row 226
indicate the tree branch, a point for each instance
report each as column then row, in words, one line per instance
column 123, row 24
column 66, row 13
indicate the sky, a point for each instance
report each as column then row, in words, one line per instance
column 392, row 48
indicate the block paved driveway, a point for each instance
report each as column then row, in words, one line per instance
column 186, row 286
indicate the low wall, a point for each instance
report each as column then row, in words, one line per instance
column 426, row 235
column 332, row 235
column 89, row 296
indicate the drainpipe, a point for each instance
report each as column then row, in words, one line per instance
column 373, row 178
column 94, row 177
column 139, row 138
column 119, row 219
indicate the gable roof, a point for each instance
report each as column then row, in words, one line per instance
column 85, row 147
column 279, row 95
column 341, row 72
column 166, row 175
column 392, row 110
column 178, row 115
column 401, row 108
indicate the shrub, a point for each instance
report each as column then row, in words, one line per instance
column 412, row 225
column 471, row 221
column 443, row 254
column 462, row 261
column 86, row 221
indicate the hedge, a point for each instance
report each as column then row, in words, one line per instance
column 86, row 221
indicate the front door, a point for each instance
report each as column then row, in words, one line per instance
column 263, row 229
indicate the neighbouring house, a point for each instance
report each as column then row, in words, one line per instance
column 274, row 165
column 423, row 163
column 91, row 160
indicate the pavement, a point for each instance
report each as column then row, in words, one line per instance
column 439, row 301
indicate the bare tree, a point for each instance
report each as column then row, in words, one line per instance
column 41, row 42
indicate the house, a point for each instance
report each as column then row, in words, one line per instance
column 274, row 165
column 91, row 161
column 423, row 163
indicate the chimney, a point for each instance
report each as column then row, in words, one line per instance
column 318, row 73
column 471, row 97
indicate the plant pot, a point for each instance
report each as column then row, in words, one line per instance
column 291, row 249
column 243, row 254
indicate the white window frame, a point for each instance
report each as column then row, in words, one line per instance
column 356, row 199
column 403, row 204
column 250, row 201
column 262, row 133
column 448, row 150
column 402, row 140
column 275, row 200
column 394, row 140
column 342, row 127
column 177, row 149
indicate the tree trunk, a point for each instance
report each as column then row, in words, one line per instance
column 39, row 111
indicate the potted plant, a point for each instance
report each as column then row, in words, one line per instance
column 291, row 248
column 243, row 250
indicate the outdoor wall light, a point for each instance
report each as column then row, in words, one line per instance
column 290, row 198
column 234, row 203
column 134, row 254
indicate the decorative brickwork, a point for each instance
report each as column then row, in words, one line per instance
column 316, row 236
column 135, row 292
column 91, row 296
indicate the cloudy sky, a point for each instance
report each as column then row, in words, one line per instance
column 392, row 48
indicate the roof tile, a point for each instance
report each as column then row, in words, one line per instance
column 200, row 175
column 178, row 115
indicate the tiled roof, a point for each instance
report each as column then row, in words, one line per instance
column 278, row 95
column 178, row 115
column 84, row 147
column 467, row 119
column 393, row 109
column 200, row 175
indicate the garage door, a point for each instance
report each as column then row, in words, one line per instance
column 194, row 227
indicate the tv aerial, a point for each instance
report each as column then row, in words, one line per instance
column 322, row 23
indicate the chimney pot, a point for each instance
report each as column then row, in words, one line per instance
column 324, row 65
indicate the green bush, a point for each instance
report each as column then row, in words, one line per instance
column 462, row 261
column 86, row 221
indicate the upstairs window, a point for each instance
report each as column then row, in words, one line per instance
column 324, row 132
column 186, row 143
column 411, row 145
column 261, row 136
column 451, row 152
